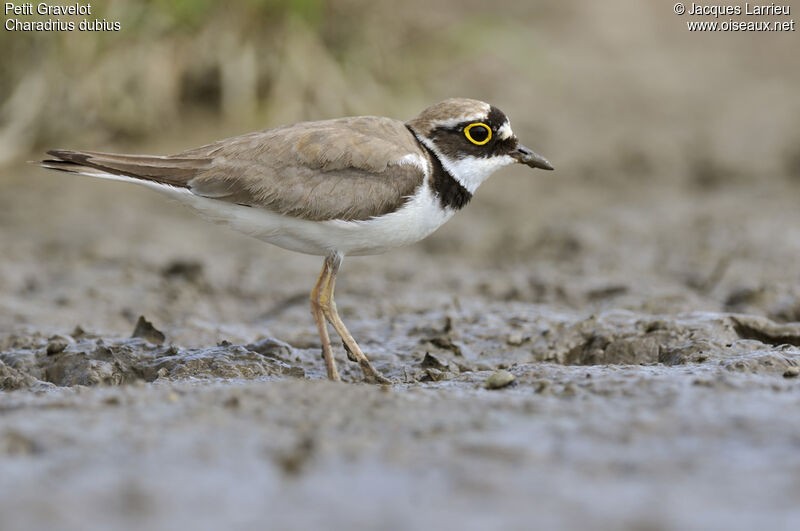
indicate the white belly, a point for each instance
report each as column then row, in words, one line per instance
column 418, row 218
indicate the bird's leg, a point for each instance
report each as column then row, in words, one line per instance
column 329, row 309
column 322, row 327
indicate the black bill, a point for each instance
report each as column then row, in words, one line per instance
column 525, row 156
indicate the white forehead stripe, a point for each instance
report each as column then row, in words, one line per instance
column 505, row 131
column 452, row 122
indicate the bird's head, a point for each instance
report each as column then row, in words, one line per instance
column 472, row 139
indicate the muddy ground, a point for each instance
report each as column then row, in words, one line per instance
column 645, row 296
column 652, row 330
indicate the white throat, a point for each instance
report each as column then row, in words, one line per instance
column 470, row 172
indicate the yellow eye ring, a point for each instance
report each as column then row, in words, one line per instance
column 478, row 124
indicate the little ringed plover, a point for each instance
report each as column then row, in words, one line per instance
column 349, row 186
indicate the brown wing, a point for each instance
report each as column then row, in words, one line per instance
column 349, row 168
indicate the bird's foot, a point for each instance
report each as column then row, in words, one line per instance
column 371, row 374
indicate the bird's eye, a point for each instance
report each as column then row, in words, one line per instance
column 478, row 133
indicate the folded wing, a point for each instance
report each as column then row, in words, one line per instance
column 350, row 168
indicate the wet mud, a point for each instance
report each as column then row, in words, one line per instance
column 613, row 345
column 634, row 354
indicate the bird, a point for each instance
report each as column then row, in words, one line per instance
column 350, row 186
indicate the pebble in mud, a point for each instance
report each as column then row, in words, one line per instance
column 515, row 339
column 499, row 379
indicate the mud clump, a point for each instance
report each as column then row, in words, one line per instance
column 765, row 331
column 271, row 347
column 94, row 361
column 739, row 343
column 12, row 379
column 145, row 330
column 606, row 350
column 16, row 443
